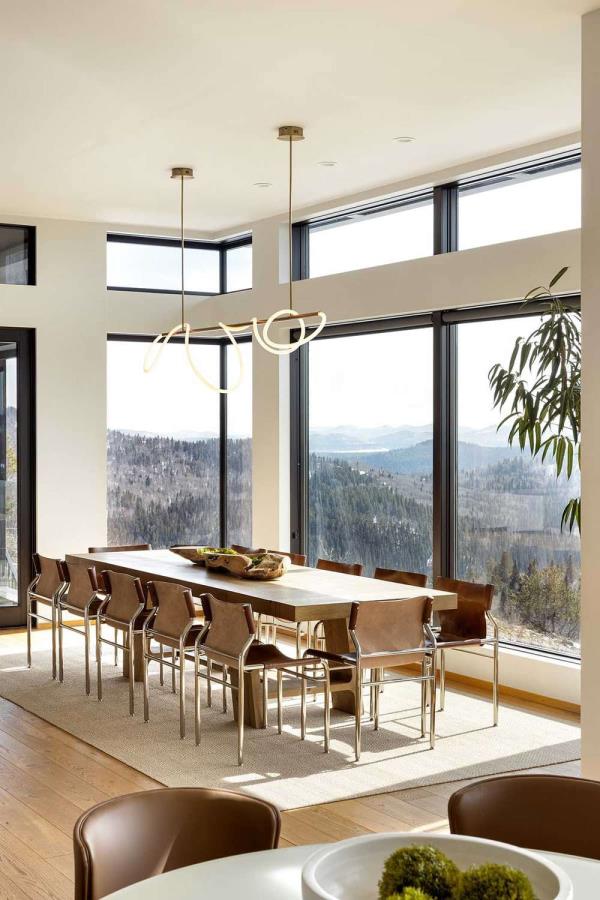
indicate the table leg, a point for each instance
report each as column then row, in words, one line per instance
column 253, row 703
column 337, row 640
column 138, row 661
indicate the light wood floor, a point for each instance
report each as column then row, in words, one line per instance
column 48, row 777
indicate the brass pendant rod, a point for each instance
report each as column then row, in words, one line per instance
column 291, row 305
column 307, row 315
column 182, row 257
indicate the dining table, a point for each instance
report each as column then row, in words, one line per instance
column 277, row 875
column 301, row 595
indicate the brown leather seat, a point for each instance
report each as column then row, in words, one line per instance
column 415, row 579
column 230, row 641
column 385, row 634
column 330, row 565
column 173, row 623
column 44, row 590
column 297, row 559
column 80, row 596
column 466, row 626
column 542, row 812
column 128, row 839
column 124, row 609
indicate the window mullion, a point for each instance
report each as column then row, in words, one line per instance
column 223, row 445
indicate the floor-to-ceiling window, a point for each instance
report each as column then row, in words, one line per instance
column 166, row 470
column 509, row 504
column 239, row 448
column 370, row 449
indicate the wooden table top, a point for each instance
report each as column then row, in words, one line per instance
column 303, row 594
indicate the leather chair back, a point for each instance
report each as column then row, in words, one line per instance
column 127, row 839
column 329, row 565
column 542, row 812
column 385, row 626
column 122, row 549
column 125, row 596
column 231, row 624
column 83, row 584
column 175, row 607
column 48, row 572
column 298, row 559
column 415, row 579
column 468, row 620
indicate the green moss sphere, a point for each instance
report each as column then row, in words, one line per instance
column 492, row 880
column 410, row 893
column 419, row 866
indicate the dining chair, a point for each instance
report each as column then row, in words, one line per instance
column 173, row 622
column 415, row 579
column 124, row 609
column 329, row 565
column 297, row 559
column 466, row 627
column 80, row 596
column 552, row 813
column 229, row 640
column 127, row 839
column 44, row 589
column 385, row 634
column 122, row 548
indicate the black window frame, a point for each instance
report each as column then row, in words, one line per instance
column 31, row 244
column 222, row 344
column 445, row 424
column 220, row 247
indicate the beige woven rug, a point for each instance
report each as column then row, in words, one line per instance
column 281, row 768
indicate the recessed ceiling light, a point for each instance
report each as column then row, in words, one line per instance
column 404, row 139
column 328, row 162
column 262, row 184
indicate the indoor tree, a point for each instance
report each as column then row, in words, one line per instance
column 541, row 389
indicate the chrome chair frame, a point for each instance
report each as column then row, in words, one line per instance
column 47, row 601
column 131, row 633
column 63, row 606
column 161, row 659
column 242, row 669
column 492, row 640
column 427, row 679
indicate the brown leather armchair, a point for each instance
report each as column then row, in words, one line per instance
column 542, row 812
column 44, row 590
column 415, row 579
column 128, row 839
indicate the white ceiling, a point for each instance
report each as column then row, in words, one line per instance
column 99, row 99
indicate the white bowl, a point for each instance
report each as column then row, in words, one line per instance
column 350, row 870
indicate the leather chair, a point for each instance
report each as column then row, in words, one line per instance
column 329, row 565
column 124, row 609
column 229, row 640
column 385, row 634
column 173, row 623
column 44, row 589
column 81, row 595
column 466, row 627
column 128, row 839
column 123, row 548
column 415, row 579
column 297, row 559
column 551, row 813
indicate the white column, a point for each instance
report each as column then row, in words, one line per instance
column 270, row 403
column 590, row 246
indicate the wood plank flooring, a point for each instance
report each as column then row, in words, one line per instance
column 48, row 777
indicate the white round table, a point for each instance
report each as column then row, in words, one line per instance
column 275, row 875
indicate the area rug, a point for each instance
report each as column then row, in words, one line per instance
column 281, row 768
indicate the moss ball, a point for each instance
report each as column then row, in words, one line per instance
column 410, row 893
column 492, row 880
column 419, row 866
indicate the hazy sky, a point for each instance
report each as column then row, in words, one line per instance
column 370, row 380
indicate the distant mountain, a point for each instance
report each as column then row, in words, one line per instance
column 347, row 438
column 418, row 458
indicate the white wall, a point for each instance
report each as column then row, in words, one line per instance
column 72, row 312
column 590, row 607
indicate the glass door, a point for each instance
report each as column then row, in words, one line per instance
column 16, row 472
